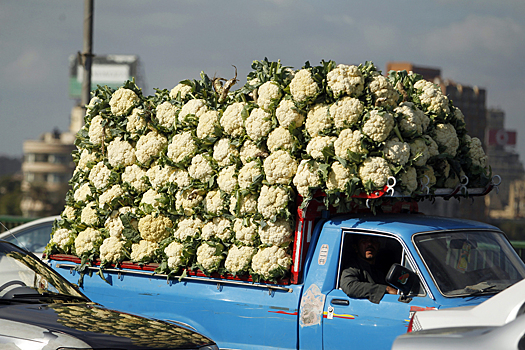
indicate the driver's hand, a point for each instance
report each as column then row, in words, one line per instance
column 391, row 290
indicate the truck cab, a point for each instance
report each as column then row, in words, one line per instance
column 451, row 257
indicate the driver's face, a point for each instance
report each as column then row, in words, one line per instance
column 367, row 247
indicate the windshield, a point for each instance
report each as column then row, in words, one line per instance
column 25, row 278
column 470, row 262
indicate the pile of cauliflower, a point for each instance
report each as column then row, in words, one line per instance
column 201, row 177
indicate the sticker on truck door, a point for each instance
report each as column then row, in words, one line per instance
column 323, row 254
column 311, row 309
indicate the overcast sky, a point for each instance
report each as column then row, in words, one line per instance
column 479, row 42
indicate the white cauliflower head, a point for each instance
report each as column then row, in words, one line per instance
column 408, row 179
column 278, row 233
column 346, row 112
column 174, row 252
column 89, row 215
column 272, row 199
column 376, row 170
column 318, row 120
column 224, row 152
column 379, row 125
column 120, row 153
column 348, row 140
column 122, row 100
column 109, row 195
column 268, row 262
column 280, row 138
column 97, row 132
column 196, row 107
column 166, row 114
column 180, row 177
column 317, row 144
column 248, row 174
column 213, row 203
column 303, row 85
column 232, row 120
column 151, row 197
column 288, row 115
column 338, row 177
column 154, row 228
column 385, row 94
column 183, row 89
column 207, row 124
column 258, row 124
column 143, row 250
column 432, row 97
column 85, row 158
column 245, row 232
column 63, row 238
column 227, row 179
column 187, row 200
column 136, row 121
column 397, row 152
column 200, row 168
column 210, row 257
column 87, row 241
column 135, row 177
column 99, row 175
column 413, row 120
column 181, row 146
column 239, row 258
column 250, row 151
column 245, row 205
column 346, row 79
column 268, row 93
column 112, row 250
column 159, row 176
column 445, row 135
column 82, row 193
column 188, row 227
column 476, row 152
column 307, row 177
column 419, row 152
column 280, row 168
column 150, row 145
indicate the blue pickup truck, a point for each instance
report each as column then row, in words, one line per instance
column 451, row 262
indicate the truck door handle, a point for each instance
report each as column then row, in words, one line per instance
column 340, row 302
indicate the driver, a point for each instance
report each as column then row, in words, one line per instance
column 363, row 279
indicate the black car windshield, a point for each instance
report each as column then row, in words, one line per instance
column 470, row 262
column 26, row 278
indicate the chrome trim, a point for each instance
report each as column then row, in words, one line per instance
column 205, row 279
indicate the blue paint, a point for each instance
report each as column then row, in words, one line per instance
column 249, row 317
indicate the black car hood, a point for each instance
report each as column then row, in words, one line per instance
column 102, row 328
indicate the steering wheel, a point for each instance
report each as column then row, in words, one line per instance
column 11, row 283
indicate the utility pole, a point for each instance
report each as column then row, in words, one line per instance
column 87, row 53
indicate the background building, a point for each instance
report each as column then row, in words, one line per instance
column 48, row 163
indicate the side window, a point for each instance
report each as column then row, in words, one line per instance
column 389, row 252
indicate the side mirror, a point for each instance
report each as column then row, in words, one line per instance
column 401, row 278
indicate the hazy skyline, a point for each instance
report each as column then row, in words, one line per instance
column 477, row 43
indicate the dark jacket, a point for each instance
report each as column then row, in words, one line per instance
column 363, row 280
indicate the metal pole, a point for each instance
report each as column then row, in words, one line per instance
column 87, row 54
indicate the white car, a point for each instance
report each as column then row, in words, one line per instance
column 500, row 309
column 507, row 337
column 32, row 236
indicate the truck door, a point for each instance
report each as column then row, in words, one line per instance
column 354, row 323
